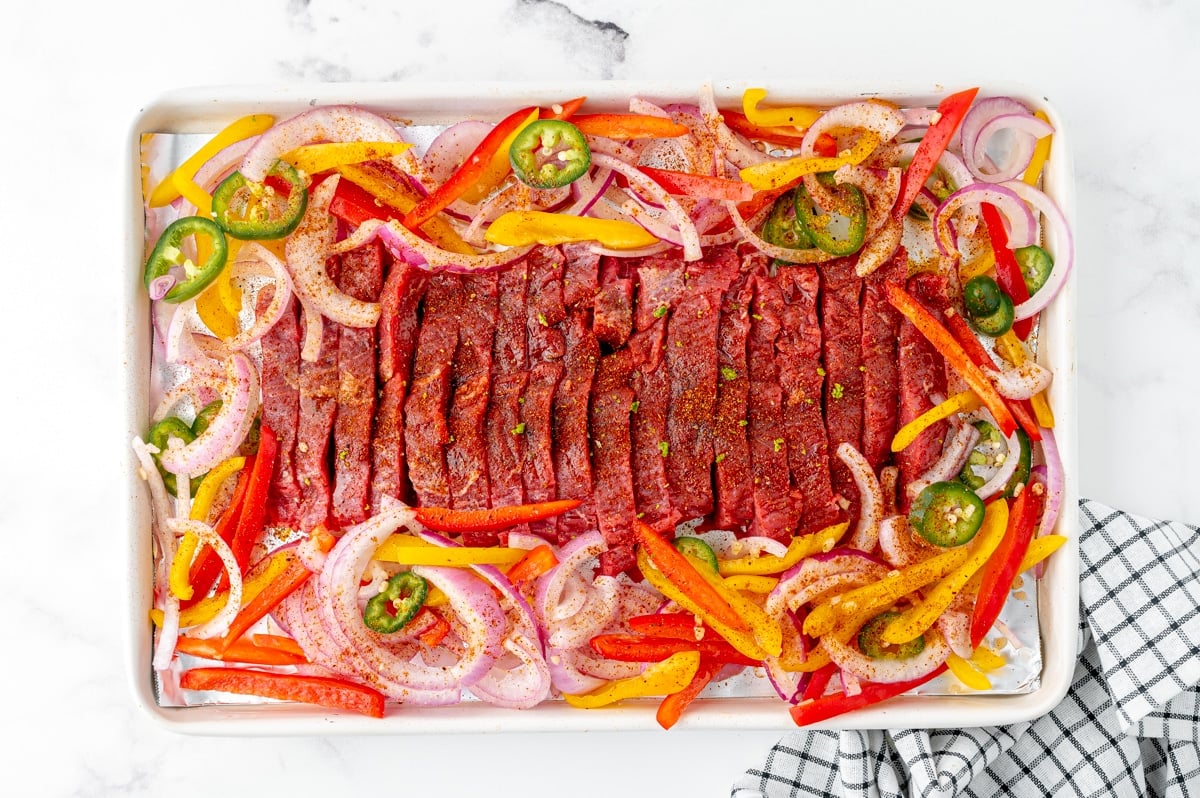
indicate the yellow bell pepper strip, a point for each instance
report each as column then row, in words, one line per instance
column 500, row 165
column 959, row 403
column 982, row 264
column 1039, row 549
column 766, row 632
column 798, row 549
column 771, row 175
column 211, row 308
column 1041, row 152
column 179, row 582
column 314, row 158
column 740, row 638
column 170, row 188
column 918, row 619
column 986, row 660
column 794, row 115
column 690, row 580
column 401, row 549
column 519, row 228
column 751, row 583
column 884, row 593
column 204, row 610
column 967, row 673
column 368, row 192
column 472, row 171
column 949, row 348
column 661, row 678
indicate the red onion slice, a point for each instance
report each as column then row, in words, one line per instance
column 307, row 250
column 888, row 671
column 1055, row 483
column 812, row 255
column 566, row 676
column 883, row 120
column 739, row 151
column 1063, row 248
column 982, row 112
column 219, row 623
column 281, row 296
column 1022, row 227
column 1021, row 382
column 414, row 250
column 1004, row 473
column 866, row 533
column 900, row 547
column 228, row 429
column 314, row 331
column 953, row 457
column 956, row 629
column 587, row 190
column 683, row 223
column 326, row 124
column 1027, row 129
column 451, row 148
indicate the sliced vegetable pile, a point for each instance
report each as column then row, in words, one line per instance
column 398, row 609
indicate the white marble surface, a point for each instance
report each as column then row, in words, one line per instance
column 75, row 74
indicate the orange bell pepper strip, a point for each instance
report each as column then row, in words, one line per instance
column 442, row 519
column 243, row 651
column 569, row 109
column 538, row 561
column 278, row 642
column 949, row 116
column 438, row 627
column 952, row 351
column 672, row 707
column 472, row 170
column 679, row 570
column 1008, row 271
column 628, row 126
column 293, row 576
column 320, row 690
column 701, row 186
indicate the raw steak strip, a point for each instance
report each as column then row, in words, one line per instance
column 572, row 463
column 841, row 323
column 318, row 405
column 734, row 481
column 802, row 378
column 612, row 399
column 922, row 374
column 281, row 407
column 510, row 374
column 360, row 276
column 880, row 352
column 613, row 307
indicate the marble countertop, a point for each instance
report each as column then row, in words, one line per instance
column 77, row 73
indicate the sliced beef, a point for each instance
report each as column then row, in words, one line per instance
column 776, row 513
column 613, row 307
column 360, row 275
column 691, row 361
column 612, row 455
column 466, row 451
column 922, row 375
column 572, row 462
column 881, row 373
column 580, row 275
column 427, row 407
column 544, row 311
column 281, row 407
column 734, row 474
column 319, row 386
column 510, row 374
column 400, row 302
column 841, row 324
column 660, row 283
column 802, row 379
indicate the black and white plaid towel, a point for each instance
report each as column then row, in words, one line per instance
column 1130, row 724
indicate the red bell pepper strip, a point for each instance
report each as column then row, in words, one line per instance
column 643, row 648
column 242, row 650
column 676, row 568
column 702, row 186
column 819, row 681
column 355, row 205
column 628, row 126
column 280, row 588
column 950, row 113
column 438, row 627
column 1021, row 409
column 469, row 173
column 442, row 519
column 952, row 351
column 825, row 145
column 538, row 561
column 254, row 508
column 1008, row 272
column 681, row 625
column 1003, row 566
column 207, row 567
column 831, row 706
column 320, row 690
column 569, row 108
column 672, row 707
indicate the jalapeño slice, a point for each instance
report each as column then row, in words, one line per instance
column 160, row 434
column 697, row 549
column 998, row 323
column 839, row 230
column 947, row 514
column 781, row 227
column 257, row 211
column 168, row 254
column 1036, row 265
column 399, row 601
column 981, row 296
column 870, row 640
column 549, row 153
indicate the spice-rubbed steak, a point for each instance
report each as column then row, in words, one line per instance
column 466, row 450
column 880, row 351
column 281, row 407
column 731, row 448
column 841, row 326
column 510, row 375
column 922, row 376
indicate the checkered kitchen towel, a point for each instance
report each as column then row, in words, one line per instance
column 1130, row 724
